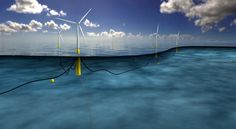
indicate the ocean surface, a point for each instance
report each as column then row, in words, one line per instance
column 194, row 88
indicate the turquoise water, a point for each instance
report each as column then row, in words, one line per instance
column 194, row 88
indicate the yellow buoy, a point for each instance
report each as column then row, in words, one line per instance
column 52, row 80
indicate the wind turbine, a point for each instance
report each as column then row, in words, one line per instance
column 59, row 38
column 78, row 29
column 112, row 44
column 157, row 34
column 177, row 42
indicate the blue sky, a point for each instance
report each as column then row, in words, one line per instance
column 142, row 16
column 134, row 16
column 138, row 16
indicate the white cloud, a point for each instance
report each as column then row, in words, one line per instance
column 222, row 29
column 140, row 36
column 206, row 14
column 233, row 22
column 93, row 34
column 117, row 34
column 27, row 6
column 172, row 6
column 90, row 24
column 186, row 37
column 20, row 27
column 65, row 27
column 62, row 13
column 172, row 36
column 36, row 24
column 130, row 35
column 111, row 33
column 45, row 31
column 51, row 24
column 55, row 13
column 33, row 7
column 11, row 27
column 105, row 34
column 14, row 25
column 6, row 29
column 137, row 36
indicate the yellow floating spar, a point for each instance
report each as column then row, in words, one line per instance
column 78, row 64
column 78, row 51
column 78, row 67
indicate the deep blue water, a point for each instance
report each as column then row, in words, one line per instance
column 192, row 89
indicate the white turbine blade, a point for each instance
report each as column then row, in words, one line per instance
column 82, row 31
column 157, row 33
column 158, row 29
column 72, row 22
column 84, row 16
column 60, row 31
column 59, row 34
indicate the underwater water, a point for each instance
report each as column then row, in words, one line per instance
column 193, row 88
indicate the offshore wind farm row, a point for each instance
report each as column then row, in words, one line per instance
column 101, row 48
column 112, row 49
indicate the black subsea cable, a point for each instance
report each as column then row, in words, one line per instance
column 61, row 65
column 69, row 68
column 113, row 73
column 38, row 80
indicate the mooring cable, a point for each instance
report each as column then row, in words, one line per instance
column 68, row 69
column 61, row 65
column 113, row 73
column 38, row 80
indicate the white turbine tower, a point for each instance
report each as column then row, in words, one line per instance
column 177, row 42
column 112, row 45
column 59, row 38
column 157, row 34
column 78, row 29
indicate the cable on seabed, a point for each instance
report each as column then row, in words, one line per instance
column 113, row 73
column 38, row 80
